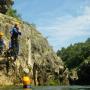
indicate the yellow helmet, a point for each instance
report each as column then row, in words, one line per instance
column 1, row 34
column 17, row 23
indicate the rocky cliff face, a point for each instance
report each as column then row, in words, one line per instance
column 35, row 54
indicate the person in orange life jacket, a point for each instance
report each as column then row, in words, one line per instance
column 2, row 43
column 26, row 80
column 14, row 38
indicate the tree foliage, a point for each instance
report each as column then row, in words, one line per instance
column 13, row 13
column 6, row 8
column 5, row 5
column 75, row 54
column 84, row 72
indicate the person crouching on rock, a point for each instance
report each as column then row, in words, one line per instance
column 2, row 43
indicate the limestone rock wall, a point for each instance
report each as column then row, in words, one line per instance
column 35, row 54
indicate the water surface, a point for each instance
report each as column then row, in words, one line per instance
column 49, row 88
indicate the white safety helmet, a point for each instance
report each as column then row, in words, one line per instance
column 26, row 70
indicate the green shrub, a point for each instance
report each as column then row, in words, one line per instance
column 53, row 82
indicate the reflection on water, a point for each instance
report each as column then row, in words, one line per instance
column 50, row 88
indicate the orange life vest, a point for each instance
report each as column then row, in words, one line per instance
column 26, row 80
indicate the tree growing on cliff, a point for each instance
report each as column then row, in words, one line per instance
column 5, row 5
column 13, row 13
column 6, row 8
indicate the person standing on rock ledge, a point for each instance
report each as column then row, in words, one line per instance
column 14, row 44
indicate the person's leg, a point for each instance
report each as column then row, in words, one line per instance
column 17, row 47
column 12, row 43
column 12, row 47
column 1, row 50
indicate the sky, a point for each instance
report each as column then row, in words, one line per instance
column 62, row 22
